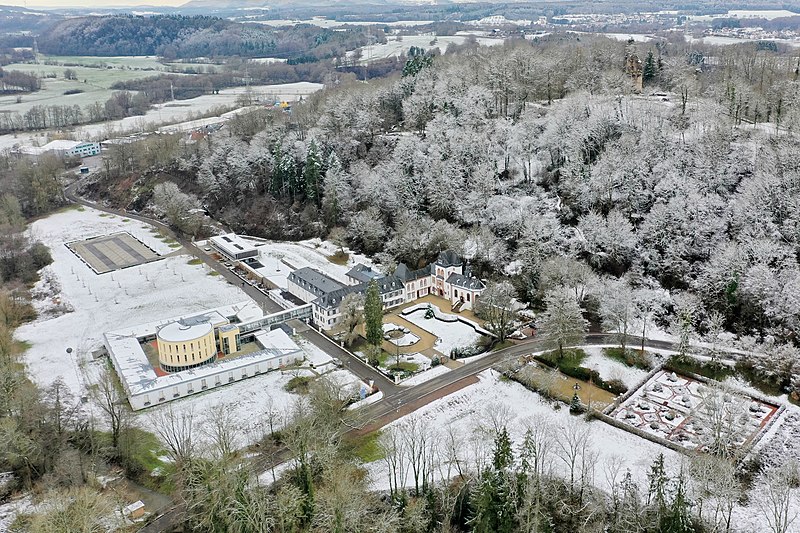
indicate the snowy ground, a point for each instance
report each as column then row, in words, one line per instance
column 472, row 413
column 158, row 290
column 396, row 46
column 281, row 258
column 450, row 335
column 610, row 369
column 428, row 375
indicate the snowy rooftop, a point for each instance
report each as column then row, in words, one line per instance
column 139, row 377
column 232, row 245
column 185, row 330
column 57, row 145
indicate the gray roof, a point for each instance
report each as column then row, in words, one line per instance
column 466, row 282
column 364, row 273
column 406, row 274
column 448, row 258
column 385, row 285
column 314, row 281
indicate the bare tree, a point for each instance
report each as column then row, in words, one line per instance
column 497, row 307
column 176, row 430
column 220, row 428
column 110, row 398
column 722, row 413
column 775, row 498
column 573, row 448
column 393, row 447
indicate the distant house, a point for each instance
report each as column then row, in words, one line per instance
column 448, row 277
column 63, row 148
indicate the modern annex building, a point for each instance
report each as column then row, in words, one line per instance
column 191, row 351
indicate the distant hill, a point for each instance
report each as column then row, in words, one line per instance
column 15, row 19
column 177, row 36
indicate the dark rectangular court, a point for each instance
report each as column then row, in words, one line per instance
column 113, row 252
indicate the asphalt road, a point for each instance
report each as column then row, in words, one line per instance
column 394, row 396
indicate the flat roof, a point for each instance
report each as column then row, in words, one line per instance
column 139, row 377
column 185, row 331
column 232, row 244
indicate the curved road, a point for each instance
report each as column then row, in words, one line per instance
column 394, row 397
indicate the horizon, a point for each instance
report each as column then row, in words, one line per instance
column 83, row 4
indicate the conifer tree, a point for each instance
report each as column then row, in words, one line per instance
column 312, row 174
column 650, row 69
column 373, row 316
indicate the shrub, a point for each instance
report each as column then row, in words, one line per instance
column 298, row 384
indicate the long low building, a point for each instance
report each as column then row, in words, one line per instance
column 65, row 148
column 199, row 367
column 233, row 246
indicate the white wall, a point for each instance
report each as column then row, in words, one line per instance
column 204, row 382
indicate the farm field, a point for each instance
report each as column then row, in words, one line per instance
column 397, row 46
column 94, row 82
column 120, row 62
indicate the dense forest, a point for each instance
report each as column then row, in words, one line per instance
column 198, row 36
column 534, row 151
column 540, row 164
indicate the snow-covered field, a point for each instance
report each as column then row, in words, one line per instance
column 450, row 334
column 397, row 46
column 171, row 113
column 610, row 369
column 472, row 413
column 162, row 289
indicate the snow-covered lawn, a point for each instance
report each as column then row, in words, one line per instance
column 611, row 369
column 428, row 375
column 472, row 413
column 455, row 334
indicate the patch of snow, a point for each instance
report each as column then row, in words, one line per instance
column 427, row 375
column 372, row 398
column 451, row 334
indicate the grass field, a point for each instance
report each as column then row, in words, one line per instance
column 124, row 62
column 94, row 82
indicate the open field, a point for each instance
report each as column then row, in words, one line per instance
column 397, row 46
column 119, row 62
column 94, row 82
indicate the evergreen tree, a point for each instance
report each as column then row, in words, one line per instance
column 657, row 493
column 277, row 185
column 373, row 316
column 677, row 518
column 312, row 174
column 334, row 185
column 495, row 501
column 650, row 69
column 418, row 59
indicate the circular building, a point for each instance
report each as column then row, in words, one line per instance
column 186, row 344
